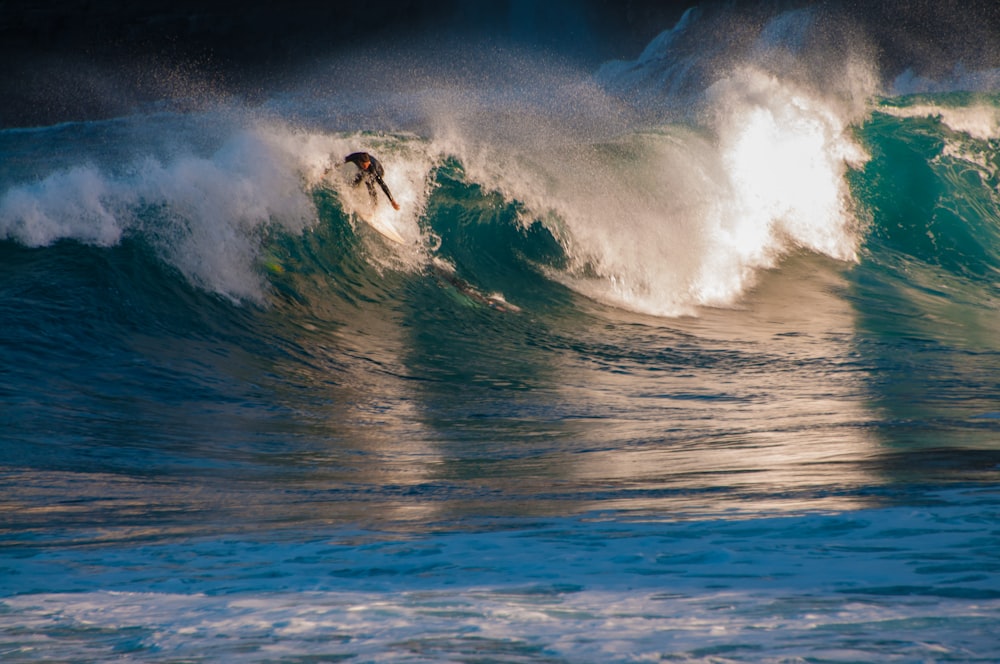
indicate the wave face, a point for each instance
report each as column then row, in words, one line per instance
column 714, row 330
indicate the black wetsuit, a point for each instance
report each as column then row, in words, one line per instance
column 371, row 176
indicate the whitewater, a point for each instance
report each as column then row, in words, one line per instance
column 687, row 357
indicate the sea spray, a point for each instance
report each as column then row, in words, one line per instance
column 662, row 210
column 784, row 153
column 77, row 203
column 776, row 120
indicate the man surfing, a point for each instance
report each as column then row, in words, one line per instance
column 370, row 171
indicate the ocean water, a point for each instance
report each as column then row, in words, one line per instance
column 687, row 358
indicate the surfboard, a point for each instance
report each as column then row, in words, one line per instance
column 376, row 218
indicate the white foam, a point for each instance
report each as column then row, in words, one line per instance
column 204, row 214
column 762, row 588
column 440, row 625
column 980, row 121
column 77, row 203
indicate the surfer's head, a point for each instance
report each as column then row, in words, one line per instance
column 365, row 161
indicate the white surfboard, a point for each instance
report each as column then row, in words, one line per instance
column 377, row 219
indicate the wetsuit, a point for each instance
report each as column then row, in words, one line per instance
column 371, row 176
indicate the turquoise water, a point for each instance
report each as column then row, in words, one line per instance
column 710, row 384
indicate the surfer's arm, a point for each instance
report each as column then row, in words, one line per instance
column 385, row 188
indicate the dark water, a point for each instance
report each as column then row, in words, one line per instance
column 701, row 366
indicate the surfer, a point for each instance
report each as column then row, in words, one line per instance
column 371, row 172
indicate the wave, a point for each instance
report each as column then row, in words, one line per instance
column 661, row 185
column 932, row 183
